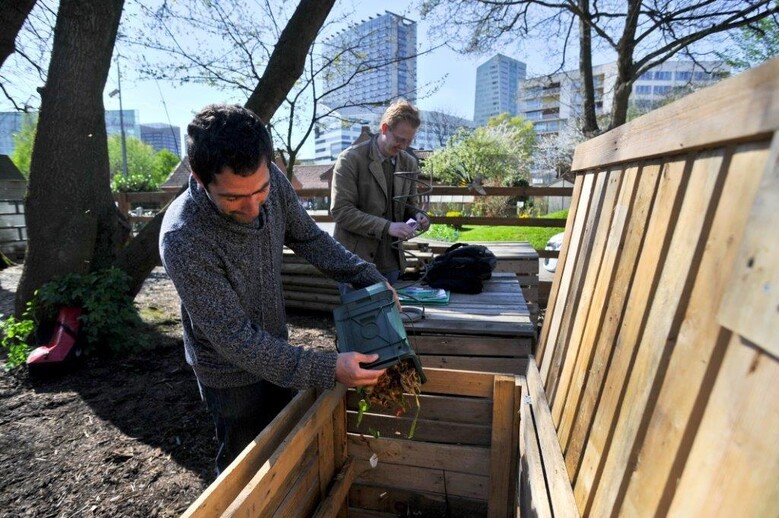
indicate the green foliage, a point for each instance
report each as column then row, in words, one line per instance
column 17, row 339
column 443, row 233
column 147, row 169
column 109, row 318
column 753, row 44
column 23, row 143
column 109, row 314
column 498, row 153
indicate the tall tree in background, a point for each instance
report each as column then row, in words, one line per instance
column 642, row 34
column 753, row 44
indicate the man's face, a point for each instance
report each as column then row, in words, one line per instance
column 239, row 197
column 393, row 140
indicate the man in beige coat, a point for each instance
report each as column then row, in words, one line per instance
column 374, row 193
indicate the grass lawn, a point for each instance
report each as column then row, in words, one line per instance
column 536, row 236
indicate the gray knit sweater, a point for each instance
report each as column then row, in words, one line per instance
column 228, row 276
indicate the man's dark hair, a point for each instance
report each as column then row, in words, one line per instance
column 225, row 135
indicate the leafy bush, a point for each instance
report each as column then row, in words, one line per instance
column 443, row 233
column 109, row 316
column 134, row 183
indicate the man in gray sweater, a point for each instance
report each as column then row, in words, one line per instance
column 221, row 243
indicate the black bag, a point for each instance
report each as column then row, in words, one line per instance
column 462, row 268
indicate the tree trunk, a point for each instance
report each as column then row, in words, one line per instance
column 13, row 13
column 625, row 49
column 71, row 219
column 284, row 67
column 589, row 120
column 288, row 60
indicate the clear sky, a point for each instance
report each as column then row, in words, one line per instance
column 456, row 95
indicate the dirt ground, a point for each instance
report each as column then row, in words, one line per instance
column 122, row 436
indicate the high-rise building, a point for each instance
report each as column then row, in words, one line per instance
column 162, row 136
column 550, row 101
column 497, row 88
column 376, row 62
column 128, row 118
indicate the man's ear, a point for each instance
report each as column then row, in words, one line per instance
column 384, row 128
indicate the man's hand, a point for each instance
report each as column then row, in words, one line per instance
column 401, row 230
column 423, row 221
column 349, row 372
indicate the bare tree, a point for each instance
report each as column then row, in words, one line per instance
column 442, row 124
column 641, row 33
column 12, row 16
column 71, row 215
column 249, row 30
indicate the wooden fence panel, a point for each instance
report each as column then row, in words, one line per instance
column 662, row 343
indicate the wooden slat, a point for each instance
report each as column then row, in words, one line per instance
column 627, row 249
column 470, row 345
column 256, row 497
column 475, row 363
column 664, row 211
column 447, row 457
column 743, row 107
column 554, row 289
column 395, row 502
column 695, row 358
column 664, row 315
column 756, row 281
column 580, row 271
column 733, row 464
column 500, row 482
column 425, row 480
column 436, row 408
column 558, row 484
column 534, row 499
column 569, row 256
column 458, row 383
column 445, row 432
column 581, row 315
column 302, row 498
column 214, row 500
column 331, row 505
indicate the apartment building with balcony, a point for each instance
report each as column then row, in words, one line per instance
column 550, row 101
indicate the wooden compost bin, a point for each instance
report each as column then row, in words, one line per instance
column 659, row 355
column 311, row 461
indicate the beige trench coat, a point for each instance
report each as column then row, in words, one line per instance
column 359, row 198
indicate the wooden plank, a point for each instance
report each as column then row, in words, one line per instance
column 326, row 458
column 398, row 502
column 665, row 312
column 339, row 444
column 214, row 500
column 425, row 480
column 695, row 358
column 558, row 485
column 733, row 464
column 499, row 365
column 470, row 345
column 580, row 315
column 303, row 496
column 580, row 269
column 500, row 480
column 331, row 505
column 564, row 274
column 258, row 494
column 755, row 284
column 437, row 408
column 664, row 211
column 448, row 432
column 447, row 457
column 627, row 249
column 534, row 499
column 608, row 237
column 742, row 107
column 458, row 383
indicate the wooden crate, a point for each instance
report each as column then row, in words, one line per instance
column 659, row 351
column 462, row 461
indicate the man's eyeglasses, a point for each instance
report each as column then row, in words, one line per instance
column 399, row 140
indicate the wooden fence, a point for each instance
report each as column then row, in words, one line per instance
column 660, row 351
